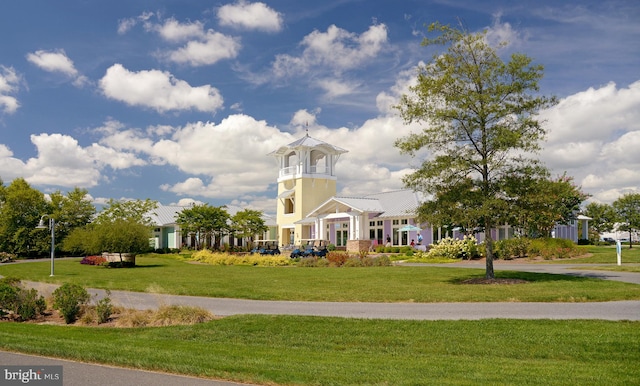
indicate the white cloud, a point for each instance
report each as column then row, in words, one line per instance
column 236, row 148
column 200, row 47
column 187, row 202
column 334, row 88
column 158, row 90
column 9, row 84
column 336, row 50
column 212, row 48
column 113, row 158
column 57, row 61
column 250, row 16
column 53, row 61
column 500, row 34
column 10, row 167
column 124, row 25
column 594, row 136
column 386, row 100
column 303, row 118
column 61, row 161
column 174, row 31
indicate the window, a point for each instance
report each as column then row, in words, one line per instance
column 289, row 206
column 376, row 232
column 342, row 234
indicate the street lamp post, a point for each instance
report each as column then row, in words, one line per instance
column 52, row 226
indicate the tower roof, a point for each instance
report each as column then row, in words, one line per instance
column 306, row 143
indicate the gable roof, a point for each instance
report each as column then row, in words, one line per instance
column 398, row 203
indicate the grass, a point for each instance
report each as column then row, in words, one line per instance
column 299, row 350
column 162, row 274
column 602, row 255
column 333, row 351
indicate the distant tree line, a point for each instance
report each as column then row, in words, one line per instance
column 622, row 215
column 121, row 227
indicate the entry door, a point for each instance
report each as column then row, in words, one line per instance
column 342, row 234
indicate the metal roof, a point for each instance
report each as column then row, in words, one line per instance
column 308, row 142
column 165, row 215
column 398, row 203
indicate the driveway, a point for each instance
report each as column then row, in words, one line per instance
column 86, row 374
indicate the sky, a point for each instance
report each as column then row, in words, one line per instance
column 181, row 101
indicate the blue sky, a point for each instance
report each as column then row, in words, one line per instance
column 181, row 101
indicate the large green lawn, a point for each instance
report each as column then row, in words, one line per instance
column 297, row 350
column 290, row 350
column 162, row 274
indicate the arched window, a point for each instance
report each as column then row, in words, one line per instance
column 290, row 159
column 290, row 163
column 318, row 162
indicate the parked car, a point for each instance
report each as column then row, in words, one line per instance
column 608, row 240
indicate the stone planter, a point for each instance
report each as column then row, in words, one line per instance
column 115, row 257
column 358, row 246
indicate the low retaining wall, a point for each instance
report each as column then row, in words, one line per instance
column 115, row 257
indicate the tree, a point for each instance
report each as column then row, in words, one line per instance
column 603, row 217
column 247, row 223
column 71, row 211
column 540, row 202
column 204, row 222
column 480, row 127
column 122, row 227
column 20, row 211
column 134, row 210
column 627, row 209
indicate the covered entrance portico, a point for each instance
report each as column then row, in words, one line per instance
column 343, row 222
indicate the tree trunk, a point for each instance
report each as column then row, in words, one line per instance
column 488, row 243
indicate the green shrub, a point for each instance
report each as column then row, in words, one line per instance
column 26, row 304
column 512, row 248
column 104, row 308
column 449, row 248
column 382, row 261
column 68, row 299
column 8, row 297
column 353, row 262
column 30, row 304
column 549, row 248
column 331, row 247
